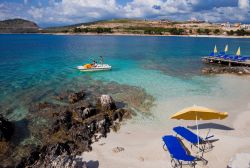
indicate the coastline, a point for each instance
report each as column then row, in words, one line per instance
column 148, row 35
column 136, row 35
column 142, row 144
column 138, row 143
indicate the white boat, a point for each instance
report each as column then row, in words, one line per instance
column 97, row 67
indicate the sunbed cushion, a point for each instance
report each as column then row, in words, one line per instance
column 176, row 149
column 187, row 134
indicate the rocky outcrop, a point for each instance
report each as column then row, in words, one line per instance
column 53, row 119
column 74, row 127
column 6, row 129
column 75, row 97
column 107, row 103
column 56, row 155
column 226, row 69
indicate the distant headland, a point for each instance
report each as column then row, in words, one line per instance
column 133, row 27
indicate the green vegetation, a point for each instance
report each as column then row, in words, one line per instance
column 203, row 31
column 216, row 31
column 92, row 30
column 207, row 31
column 230, row 33
column 240, row 32
column 156, row 30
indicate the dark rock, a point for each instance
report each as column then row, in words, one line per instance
column 226, row 69
column 66, row 120
column 118, row 114
column 41, row 106
column 106, row 102
column 88, row 112
column 6, row 129
column 56, row 155
column 75, row 97
column 105, row 126
column 70, row 129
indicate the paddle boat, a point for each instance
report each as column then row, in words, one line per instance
column 97, row 67
column 94, row 66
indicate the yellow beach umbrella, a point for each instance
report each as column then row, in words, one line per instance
column 238, row 52
column 226, row 48
column 198, row 113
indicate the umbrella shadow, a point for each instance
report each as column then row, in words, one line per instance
column 211, row 126
column 93, row 164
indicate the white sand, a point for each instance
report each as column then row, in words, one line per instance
column 141, row 137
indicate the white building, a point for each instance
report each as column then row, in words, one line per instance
column 245, row 26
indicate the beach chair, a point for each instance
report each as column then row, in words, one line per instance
column 212, row 54
column 243, row 59
column 221, row 54
column 179, row 154
column 205, row 144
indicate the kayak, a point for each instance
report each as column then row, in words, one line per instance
column 97, row 67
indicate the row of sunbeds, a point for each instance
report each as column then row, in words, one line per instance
column 179, row 153
column 223, row 55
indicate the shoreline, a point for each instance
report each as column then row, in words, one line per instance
column 142, row 144
column 136, row 35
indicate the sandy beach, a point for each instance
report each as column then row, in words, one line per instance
column 143, row 146
column 140, row 145
column 127, row 34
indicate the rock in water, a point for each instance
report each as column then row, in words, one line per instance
column 225, row 69
column 107, row 103
column 75, row 97
column 6, row 129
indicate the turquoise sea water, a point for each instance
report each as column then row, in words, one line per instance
column 166, row 67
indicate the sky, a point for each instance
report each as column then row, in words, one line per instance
column 64, row 12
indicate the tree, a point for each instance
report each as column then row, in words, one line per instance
column 199, row 31
column 241, row 32
column 216, row 31
column 230, row 33
column 207, row 31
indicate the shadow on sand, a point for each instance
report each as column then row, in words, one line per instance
column 211, row 126
column 93, row 164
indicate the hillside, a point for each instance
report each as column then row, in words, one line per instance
column 149, row 27
column 129, row 26
column 18, row 26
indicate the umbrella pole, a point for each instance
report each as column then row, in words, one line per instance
column 197, row 131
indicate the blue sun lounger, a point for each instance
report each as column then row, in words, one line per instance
column 177, row 152
column 191, row 137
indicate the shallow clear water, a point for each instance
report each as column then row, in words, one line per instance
column 166, row 67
